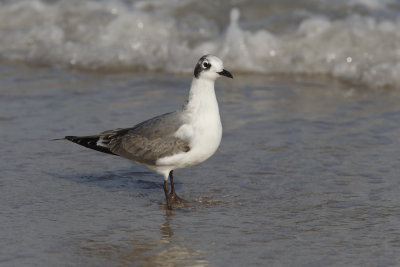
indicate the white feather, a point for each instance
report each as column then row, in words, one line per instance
column 203, row 128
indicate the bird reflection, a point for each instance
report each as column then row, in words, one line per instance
column 166, row 230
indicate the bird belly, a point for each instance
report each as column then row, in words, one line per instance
column 204, row 141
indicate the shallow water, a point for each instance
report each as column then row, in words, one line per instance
column 307, row 174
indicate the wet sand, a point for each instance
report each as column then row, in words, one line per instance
column 307, row 174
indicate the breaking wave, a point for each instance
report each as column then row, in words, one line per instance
column 356, row 41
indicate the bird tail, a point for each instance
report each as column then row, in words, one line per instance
column 89, row 142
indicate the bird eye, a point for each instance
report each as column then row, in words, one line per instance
column 206, row 65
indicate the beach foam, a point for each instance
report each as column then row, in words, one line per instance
column 357, row 41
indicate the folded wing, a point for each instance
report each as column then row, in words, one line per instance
column 143, row 143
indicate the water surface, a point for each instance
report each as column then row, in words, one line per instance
column 306, row 174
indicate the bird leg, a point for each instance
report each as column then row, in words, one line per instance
column 167, row 197
column 171, row 197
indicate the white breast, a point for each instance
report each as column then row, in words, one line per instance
column 203, row 129
column 207, row 133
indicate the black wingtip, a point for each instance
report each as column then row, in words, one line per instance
column 89, row 142
column 57, row 139
column 71, row 138
column 84, row 141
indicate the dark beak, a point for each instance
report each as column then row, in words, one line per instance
column 225, row 73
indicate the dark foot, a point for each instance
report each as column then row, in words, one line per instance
column 175, row 199
column 171, row 198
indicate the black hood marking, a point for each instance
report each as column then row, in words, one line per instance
column 199, row 66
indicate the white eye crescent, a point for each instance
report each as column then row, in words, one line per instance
column 206, row 65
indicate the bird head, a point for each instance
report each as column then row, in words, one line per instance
column 210, row 67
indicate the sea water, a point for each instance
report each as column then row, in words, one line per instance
column 307, row 173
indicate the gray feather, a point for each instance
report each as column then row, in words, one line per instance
column 147, row 141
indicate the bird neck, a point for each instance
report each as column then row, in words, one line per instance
column 202, row 96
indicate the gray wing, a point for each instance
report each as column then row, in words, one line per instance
column 147, row 141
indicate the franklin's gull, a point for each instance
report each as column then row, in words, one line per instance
column 173, row 140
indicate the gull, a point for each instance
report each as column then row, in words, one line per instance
column 174, row 140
